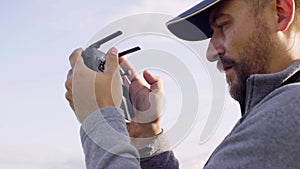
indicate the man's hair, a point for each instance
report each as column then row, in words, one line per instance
column 297, row 14
column 257, row 5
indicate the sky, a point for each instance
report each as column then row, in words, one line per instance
column 38, row 128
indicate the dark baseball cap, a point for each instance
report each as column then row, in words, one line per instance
column 193, row 25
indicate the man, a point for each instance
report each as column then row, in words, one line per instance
column 256, row 44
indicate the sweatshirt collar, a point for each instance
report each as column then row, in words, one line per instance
column 260, row 85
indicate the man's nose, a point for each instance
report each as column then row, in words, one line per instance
column 214, row 51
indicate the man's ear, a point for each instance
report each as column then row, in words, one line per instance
column 286, row 13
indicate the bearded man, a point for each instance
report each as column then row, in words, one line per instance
column 256, row 44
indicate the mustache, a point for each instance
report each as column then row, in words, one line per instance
column 225, row 61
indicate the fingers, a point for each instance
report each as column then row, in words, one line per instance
column 74, row 57
column 68, row 83
column 111, row 64
column 155, row 82
column 126, row 66
column 68, row 86
column 112, row 61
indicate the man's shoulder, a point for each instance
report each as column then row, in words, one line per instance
column 281, row 107
column 277, row 116
column 268, row 134
column 285, row 96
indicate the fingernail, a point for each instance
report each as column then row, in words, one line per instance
column 114, row 51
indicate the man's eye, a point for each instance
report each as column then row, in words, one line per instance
column 222, row 25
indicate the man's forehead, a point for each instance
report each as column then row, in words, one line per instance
column 229, row 7
column 221, row 7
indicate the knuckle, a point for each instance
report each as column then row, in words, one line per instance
column 70, row 74
column 73, row 57
column 68, row 85
column 68, row 96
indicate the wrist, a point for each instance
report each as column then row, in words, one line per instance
column 153, row 130
column 144, row 130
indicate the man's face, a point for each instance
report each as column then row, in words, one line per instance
column 241, row 43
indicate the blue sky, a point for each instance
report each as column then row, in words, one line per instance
column 38, row 128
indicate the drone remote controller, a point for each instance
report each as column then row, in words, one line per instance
column 95, row 60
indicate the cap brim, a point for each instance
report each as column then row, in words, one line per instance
column 193, row 25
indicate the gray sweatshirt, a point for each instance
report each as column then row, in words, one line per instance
column 267, row 136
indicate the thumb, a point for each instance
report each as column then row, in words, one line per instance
column 155, row 82
column 112, row 61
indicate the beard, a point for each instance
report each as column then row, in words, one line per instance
column 254, row 58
